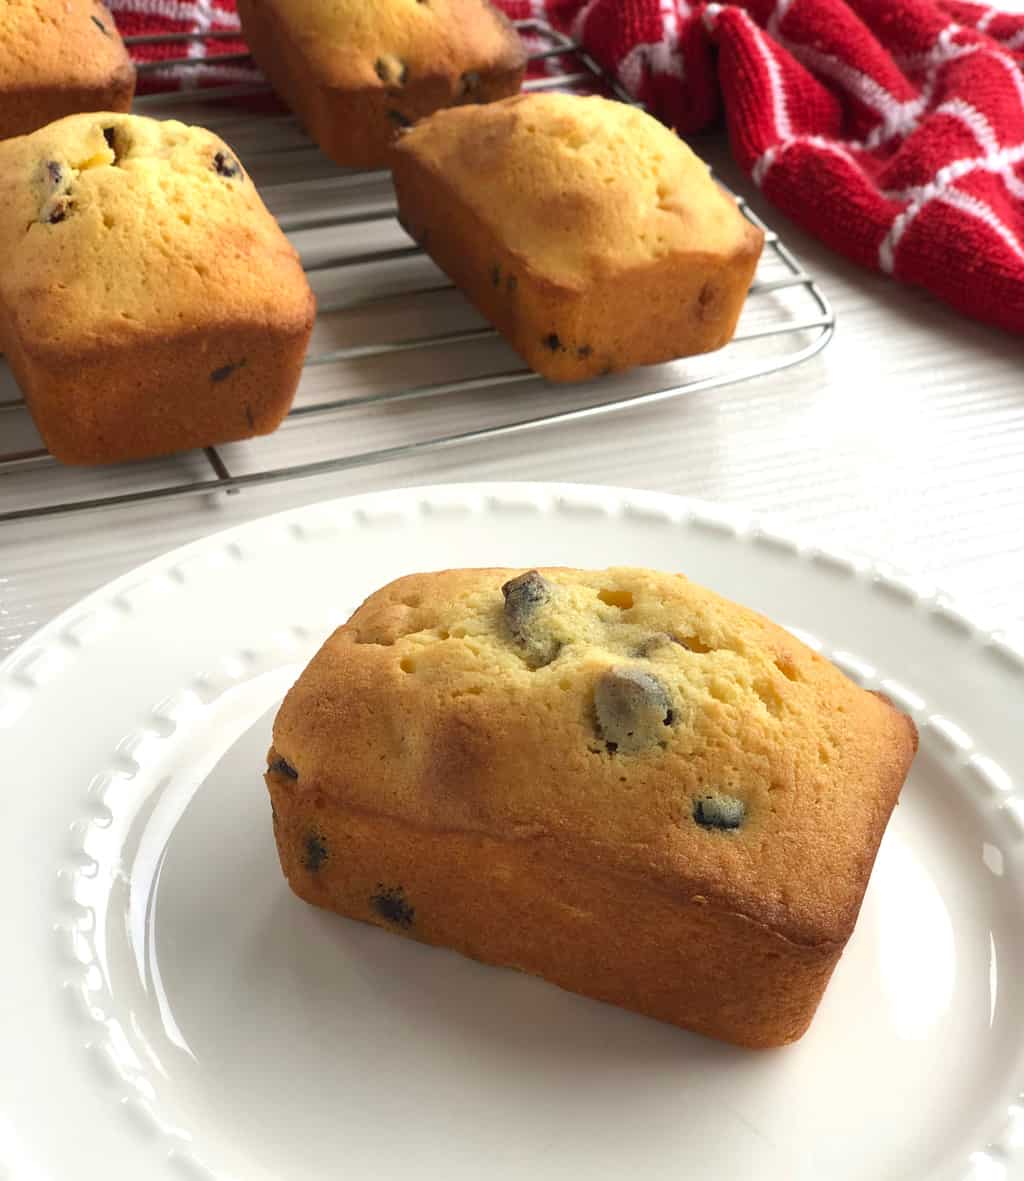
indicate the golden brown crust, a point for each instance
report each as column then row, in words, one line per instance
column 211, row 387
column 357, row 74
column 150, row 303
column 517, row 903
column 586, row 232
column 425, row 682
column 58, row 59
column 462, row 747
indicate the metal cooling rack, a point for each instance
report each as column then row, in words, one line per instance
column 399, row 363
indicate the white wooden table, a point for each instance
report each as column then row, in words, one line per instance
column 904, row 440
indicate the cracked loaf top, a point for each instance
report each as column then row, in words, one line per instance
column 115, row 228
column 631, row 719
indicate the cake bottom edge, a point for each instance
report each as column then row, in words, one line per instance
column 519, row 905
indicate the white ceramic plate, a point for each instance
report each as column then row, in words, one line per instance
column 168, row 1008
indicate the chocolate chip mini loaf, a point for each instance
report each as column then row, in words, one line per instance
column 585, row 231
column 149, row 303
column 615, row 780
column 59, row 57
column 356, row 73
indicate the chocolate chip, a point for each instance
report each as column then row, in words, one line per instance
column 496, row 275
column 249, row 418
column 399, row 119
column 58, row 210
column 381, row 68
column 707, row 301
column 57, row 207
column 108, row 135
column 391, row 904
column 470, row 81
column 584, row 351
column 226, row 166
column 225, row 371
column 719, row 811
column 552, row 342
column 100, row 25
column 633, row 708
column 653, row 643
column 283, row 767
column 315, row 851
column 524, row 596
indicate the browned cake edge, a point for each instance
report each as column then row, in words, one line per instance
column 477, row 761
column 358, row 127
column 27, row 109
column 525, row 903
column 55, row 87
column 621, row 319
column 519, row 904
column 171, row 392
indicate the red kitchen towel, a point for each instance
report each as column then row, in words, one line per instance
column 892, row 131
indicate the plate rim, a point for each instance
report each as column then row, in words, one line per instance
column 674, row 511
column 724, row 517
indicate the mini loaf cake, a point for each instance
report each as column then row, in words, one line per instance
column 149, row 303
column 585, row 231
column 615, row 780
column 356, row 73
column 59, row 57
